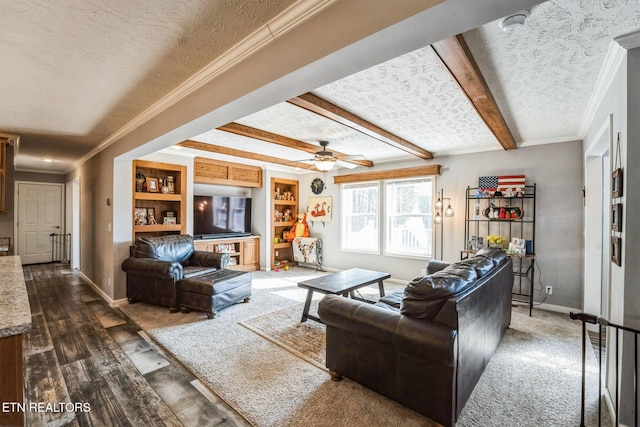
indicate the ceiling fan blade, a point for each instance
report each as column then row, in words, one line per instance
column 353, row 157
column 346, row 164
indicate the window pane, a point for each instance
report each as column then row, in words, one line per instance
column 360, row 226
column 409, row 228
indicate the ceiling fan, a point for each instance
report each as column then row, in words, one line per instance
column 324, row 160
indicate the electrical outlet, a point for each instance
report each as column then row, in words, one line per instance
column 277, row 253
column 549, row 290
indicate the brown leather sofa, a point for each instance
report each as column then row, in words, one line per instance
column 427, row 346
column 158, row 264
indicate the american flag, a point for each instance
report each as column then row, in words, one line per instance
column 502, row 182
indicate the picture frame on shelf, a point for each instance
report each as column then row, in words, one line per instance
column 616, row 183
column 140, row 216
column 169, row 220
column 616, row 250
column 616, row 217
column 517, row 246
column 475, row 243
column 152, row 185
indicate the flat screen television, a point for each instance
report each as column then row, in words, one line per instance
column 221, row 216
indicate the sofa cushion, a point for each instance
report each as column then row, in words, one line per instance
column 424, row 296
column 190, row 272
column 174, row 248
column 495, row 255
column 391, row 301
column 481, row 264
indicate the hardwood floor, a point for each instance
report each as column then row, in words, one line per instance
column 81, row 351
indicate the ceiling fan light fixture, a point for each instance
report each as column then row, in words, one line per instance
column 324, row 165
column 509, row 22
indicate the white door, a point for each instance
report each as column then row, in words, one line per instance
column 39, row 216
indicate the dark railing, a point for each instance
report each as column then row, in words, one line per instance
column 60, row 247
column 619, row 329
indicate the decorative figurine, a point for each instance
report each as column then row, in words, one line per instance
column 300, row 227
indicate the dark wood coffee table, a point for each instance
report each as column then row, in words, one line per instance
column 342, row 283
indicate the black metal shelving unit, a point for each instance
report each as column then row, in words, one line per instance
column 480, row 223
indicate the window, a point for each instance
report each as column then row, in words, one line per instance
column 409, row 228
column 360, row 217
column 407, row 224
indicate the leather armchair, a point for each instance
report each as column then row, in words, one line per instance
column 158, row 264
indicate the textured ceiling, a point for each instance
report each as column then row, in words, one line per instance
column 542, row 75
column 74, row 73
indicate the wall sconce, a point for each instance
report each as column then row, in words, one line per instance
column 440, row 212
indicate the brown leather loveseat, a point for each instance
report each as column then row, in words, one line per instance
column 427, row 346
column 158, row 264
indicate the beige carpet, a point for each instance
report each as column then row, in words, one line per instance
column 261, row 360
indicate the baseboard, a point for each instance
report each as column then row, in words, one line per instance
column 557, row 308
column 105, row 297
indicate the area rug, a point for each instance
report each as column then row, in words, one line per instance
column 283, row 328
column 533, row 378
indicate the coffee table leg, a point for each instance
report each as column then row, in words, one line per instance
column 381, row 287
column 307, row 304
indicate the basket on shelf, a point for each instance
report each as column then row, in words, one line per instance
column 504, row 213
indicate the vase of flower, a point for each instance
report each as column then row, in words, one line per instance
column 495, row 241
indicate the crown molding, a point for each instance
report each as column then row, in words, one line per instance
column 612, row 63
column 629, row 41
column 40, row 171
column 296, row 14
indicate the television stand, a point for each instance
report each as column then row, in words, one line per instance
column 244, row 251
column 221, row 236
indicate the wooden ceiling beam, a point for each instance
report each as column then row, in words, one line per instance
column 324, row 108
column 457, row 57
column 202, row 146
column 262, row 135
column 388, row 174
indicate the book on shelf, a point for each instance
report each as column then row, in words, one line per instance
column 225, row 247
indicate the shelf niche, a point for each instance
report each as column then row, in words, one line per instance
column 284, row 195
column 159, row 202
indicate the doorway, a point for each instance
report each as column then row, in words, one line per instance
column 597, row 283
column 39, row 213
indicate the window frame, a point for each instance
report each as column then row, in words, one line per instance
column 343, row 217
column 387, row 217
column 383, row 218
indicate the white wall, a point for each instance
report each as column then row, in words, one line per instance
column 622, row 101
column 556, row 169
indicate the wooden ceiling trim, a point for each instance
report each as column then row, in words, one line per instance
column 263, row 135
column 202, row 146
column 324, row 108
column 457, row 57
column 388, row 174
